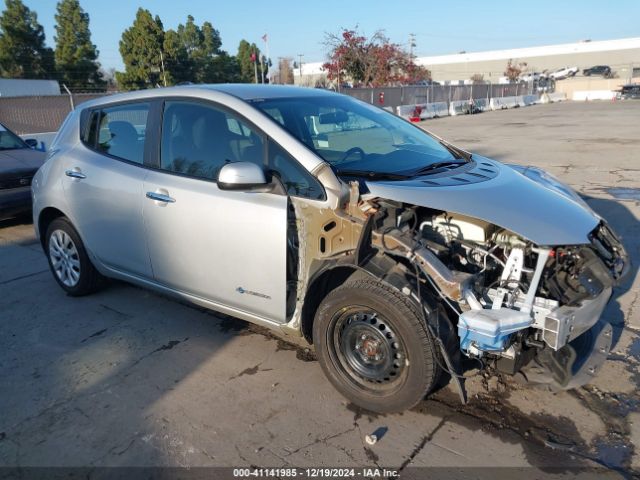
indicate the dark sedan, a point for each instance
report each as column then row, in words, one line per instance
column 18, row 164
column 603, row 70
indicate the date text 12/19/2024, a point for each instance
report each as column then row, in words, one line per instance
column 247, row 473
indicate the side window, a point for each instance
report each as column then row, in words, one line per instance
column 198, row 139
column 296, row 179
column 121, row 131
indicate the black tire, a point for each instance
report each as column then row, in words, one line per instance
column 386, row 317
column 88, row 278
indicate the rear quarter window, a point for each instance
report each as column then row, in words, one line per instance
column 118, row 131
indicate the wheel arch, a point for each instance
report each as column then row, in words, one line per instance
column 324, row 281
column 46, row 216
column 334, row 274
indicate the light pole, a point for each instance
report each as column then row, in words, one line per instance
column 300, row 55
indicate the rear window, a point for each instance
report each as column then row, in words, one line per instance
column 119, row 131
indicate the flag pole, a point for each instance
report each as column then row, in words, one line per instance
column 255, row 67
column 265, row 39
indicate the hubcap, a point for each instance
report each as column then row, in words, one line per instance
column 64, row 258
column 367, row 348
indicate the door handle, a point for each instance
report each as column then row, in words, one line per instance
column 75, row 174
column 160, row 197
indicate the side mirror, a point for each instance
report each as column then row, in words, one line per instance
column 243, row 176
column 31, row 142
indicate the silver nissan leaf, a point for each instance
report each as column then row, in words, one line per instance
column 399, row 256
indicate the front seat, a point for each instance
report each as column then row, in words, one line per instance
column 212, row 138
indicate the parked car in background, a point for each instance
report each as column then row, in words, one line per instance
column 424, row 83
column 18, row 164
column 530, row 77
column 629, row 92
column 563, row 73
column 394, row 252
column 546, row 84
column 603, row 70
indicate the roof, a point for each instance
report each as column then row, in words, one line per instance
column 252, row 91
column 242, row 91
column 565, row 48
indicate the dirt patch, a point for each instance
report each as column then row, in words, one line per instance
column 302, row 353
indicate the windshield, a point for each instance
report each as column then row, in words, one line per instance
column 9, row 140
column 355, row 137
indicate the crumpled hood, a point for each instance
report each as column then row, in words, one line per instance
column 509, row 200
column 20, row 160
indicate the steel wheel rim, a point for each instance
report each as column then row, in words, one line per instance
column 367, row 350
column 65, row 261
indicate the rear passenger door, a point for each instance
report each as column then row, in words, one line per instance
column 103, row 184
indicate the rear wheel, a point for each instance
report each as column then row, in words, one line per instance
column 68, row 259
column 373, row 346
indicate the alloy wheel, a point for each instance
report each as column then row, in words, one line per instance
column 64, row 257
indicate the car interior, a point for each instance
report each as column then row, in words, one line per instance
column 198, row 140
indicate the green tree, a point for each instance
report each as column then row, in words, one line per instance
column 176, row 58
column 207, row 62
column 75, row 55
column 142, row 53
column 22, row 50
column 248, row 53
column 211, row 41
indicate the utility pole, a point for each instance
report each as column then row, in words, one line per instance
column 300, row 55
column 164, row 75
column 412, row 44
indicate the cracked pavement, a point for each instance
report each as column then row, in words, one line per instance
column 130, row 378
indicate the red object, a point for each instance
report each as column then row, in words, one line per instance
column 253, row 56
column 415, row 116
column 381, row 98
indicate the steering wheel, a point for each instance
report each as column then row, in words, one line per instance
column 350, row 152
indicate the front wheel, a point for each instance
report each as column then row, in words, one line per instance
column 373, row 346
column 68, row 259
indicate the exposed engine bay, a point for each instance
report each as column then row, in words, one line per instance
column 517, row 299
column 511, row 302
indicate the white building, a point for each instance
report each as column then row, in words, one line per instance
column 20, row 87
column 623, row 56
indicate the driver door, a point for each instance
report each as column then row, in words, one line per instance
column 227, row 247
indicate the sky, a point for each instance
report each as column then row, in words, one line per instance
column 298, row 26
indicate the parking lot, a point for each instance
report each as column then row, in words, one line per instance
column 126, row 377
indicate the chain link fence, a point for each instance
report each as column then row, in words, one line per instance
column 411, row 95
column 25, row 115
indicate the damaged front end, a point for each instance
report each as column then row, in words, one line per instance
column 514, row 304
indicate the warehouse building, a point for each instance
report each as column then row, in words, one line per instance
column 622, row 55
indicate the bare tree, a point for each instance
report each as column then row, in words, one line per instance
column 513, row 70
column 477, row 78
column 370, row 61
column 285, row 71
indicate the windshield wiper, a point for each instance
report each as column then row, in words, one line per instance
column 373, row 175
column 439, row 165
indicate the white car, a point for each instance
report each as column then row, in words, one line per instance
column 530, row 76
column 563, row 73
